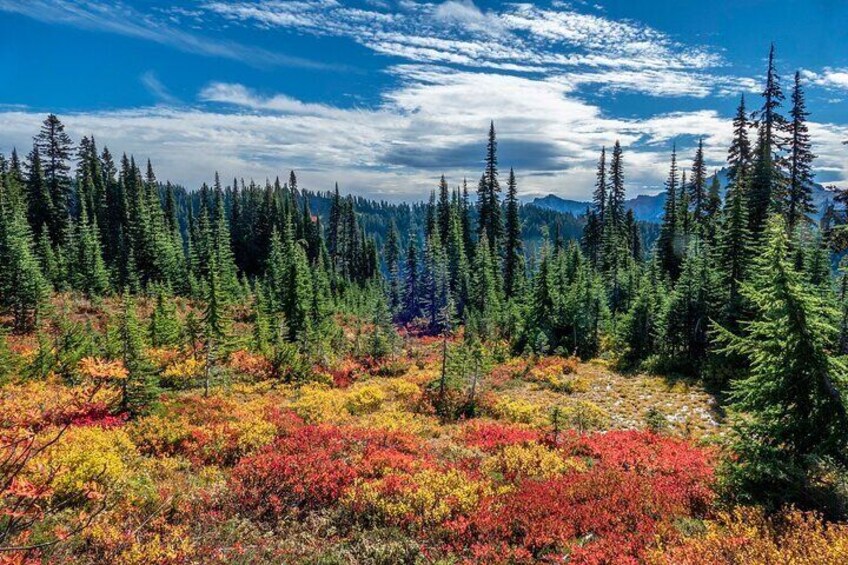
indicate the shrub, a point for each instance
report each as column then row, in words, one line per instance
column 424, row 499
column 312, row 468
column 182, row 374
column 518, row 411
column 491, row 436
column 612, row 511
column 319, row 404
column 364, row 399
column 518, row 462
column 90, row 455
column 748, row 535
column 585, row 416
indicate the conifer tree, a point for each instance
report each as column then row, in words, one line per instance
column 443, row 209
column 793, row 394
column 599, row 196
column 40, row 210
column 698, row 185
column 458, row 267
column 799, row 192
column 221, row 246
column 739, row 154
column 691, row 305
column 301, row 300
column 140, row 390
column 488, row 201
column 668, row 244
column 54, row 147
column 483, row 295
column 89, row 273
column 514, row 254
column 392, row 255
column 767, row 178
column 614, row 235
column 23, row 289
column 640, row 327
column 214, row 325
column 164, row 327
column 411, row 286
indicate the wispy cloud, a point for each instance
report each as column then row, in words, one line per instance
column 519, row 38
column 119, row 18
column 155, row 87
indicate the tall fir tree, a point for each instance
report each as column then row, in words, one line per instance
column 514, row 253
column 792, row 395
column 55, row 147
column 490, row 224
column 668, row 249
column 765, row 193
column 698, row 185
column 739, row 153
column 799, row 205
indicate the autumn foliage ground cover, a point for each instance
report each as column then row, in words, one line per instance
column 357, row 467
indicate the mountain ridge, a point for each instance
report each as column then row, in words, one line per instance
column 649, row 207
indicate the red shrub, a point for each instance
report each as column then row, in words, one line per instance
column 492, row 436
column 611, row 513
column 96, row 414
column 674, row 465
column 311, row 468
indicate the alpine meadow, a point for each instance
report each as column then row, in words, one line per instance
column 489, row 284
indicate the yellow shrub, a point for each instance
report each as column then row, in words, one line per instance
column 392, row 418
column 584, row 416
column 404, row 390
column 518, row 411
column 319, row 403
column 364, row 399
column 748, row 536
column 425, row 498
column 253, row 432
column 160, row 435
column 516, row 462
column 87, row 455
column 183, row 373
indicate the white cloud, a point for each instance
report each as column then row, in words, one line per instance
column 433, row 122
column 522, row 38
column 836, row 79
column 118, row 18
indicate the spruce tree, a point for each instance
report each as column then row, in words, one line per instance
column 793, row 393
column 88, row 270
column 483, row 295
column 799, row 192
column 767, row 178
column 411, row 286
column 514, row 254
column 739, row 153
column 40, row 203
column 215, row 325
column 140, row 390
column 55, row 147
column 393, row 267
column 691, row 305
column 698, row 185
column 668, row 248
column 23, row 288
column 490, row 224
column 164, row 326
column 443, row 209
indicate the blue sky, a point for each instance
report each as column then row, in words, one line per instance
column 386, row 96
